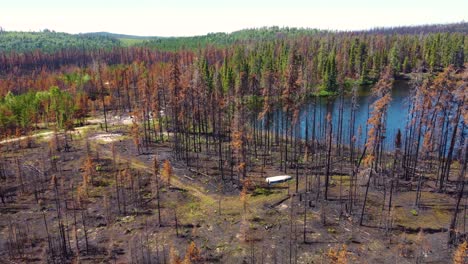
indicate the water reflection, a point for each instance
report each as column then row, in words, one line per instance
column 312, row 116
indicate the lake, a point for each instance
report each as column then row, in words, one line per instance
column 314, row 112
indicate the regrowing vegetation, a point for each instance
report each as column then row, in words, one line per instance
column 119, row 149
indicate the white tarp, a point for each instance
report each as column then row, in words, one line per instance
column 278, row 179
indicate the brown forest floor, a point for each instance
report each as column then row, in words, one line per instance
column 267, row 231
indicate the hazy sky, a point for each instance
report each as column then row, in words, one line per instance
column 196, row 17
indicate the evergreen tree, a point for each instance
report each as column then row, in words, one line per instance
column 394, row 59
column 330, row 75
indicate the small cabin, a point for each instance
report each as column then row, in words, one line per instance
column 278, row 179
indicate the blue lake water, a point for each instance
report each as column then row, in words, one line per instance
column 314, row 112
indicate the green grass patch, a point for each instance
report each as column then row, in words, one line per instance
column 127, row 219
column 337, row 179
column 261, row 191
column 430, row 218
column 324, row 93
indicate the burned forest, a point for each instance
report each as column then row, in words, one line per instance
column 166, row 151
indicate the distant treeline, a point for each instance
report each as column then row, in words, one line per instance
column 49, row 41
column 423, row 29
column 225, row 39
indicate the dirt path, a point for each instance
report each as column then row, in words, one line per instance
column 193, row 186
column 41, row 134
column 175, row 181
column 112, row 121
column 194, row 189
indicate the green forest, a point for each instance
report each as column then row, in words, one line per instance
column 50, row 41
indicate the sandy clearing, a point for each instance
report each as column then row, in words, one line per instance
column 108, row 137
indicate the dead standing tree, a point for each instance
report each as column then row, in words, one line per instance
column 382, row 90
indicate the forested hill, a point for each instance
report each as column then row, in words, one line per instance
column 49, row 41
column 117, row 36
column 461, row 27
column 272, row 33
column 224, row 39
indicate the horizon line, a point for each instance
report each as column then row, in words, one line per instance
column 2, row 29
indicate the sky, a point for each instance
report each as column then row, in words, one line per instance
column 199, row 17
